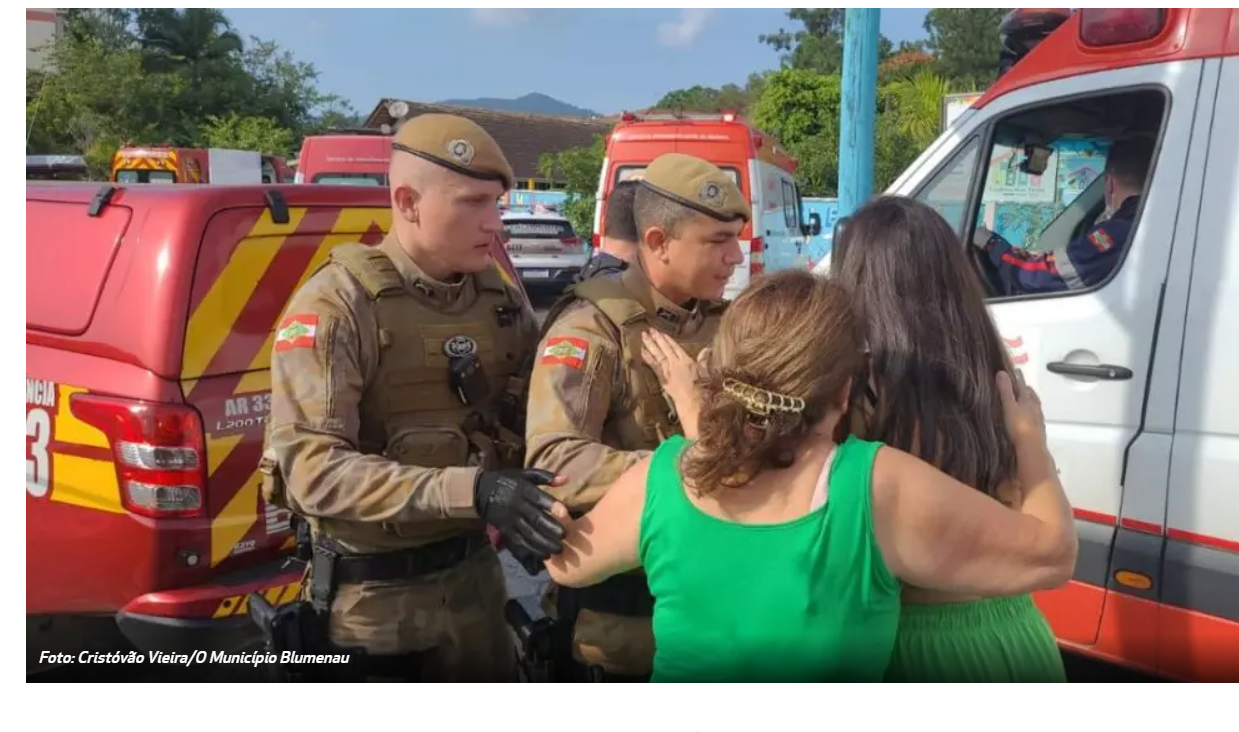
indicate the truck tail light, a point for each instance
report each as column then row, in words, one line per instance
column 1114, row 26
column 757, row 256
column 158, row 450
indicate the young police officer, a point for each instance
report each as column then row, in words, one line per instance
column 595, row 408
column 392, row 421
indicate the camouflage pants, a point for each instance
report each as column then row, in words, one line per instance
column 617, row 644
column 454, row 618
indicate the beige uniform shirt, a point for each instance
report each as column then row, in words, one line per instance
column 318, row 431
column 580, row 422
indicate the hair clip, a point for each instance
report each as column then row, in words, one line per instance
column 762, row 402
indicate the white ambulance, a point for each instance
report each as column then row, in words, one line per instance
column 1138, row 374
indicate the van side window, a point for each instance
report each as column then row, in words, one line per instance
column 1059, row 192
column 790, row 214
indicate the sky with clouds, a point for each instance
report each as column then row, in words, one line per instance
column 604, row 60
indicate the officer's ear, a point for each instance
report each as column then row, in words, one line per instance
column 406, row 202
column 656, row 241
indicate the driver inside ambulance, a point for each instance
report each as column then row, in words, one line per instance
column 1088, row 259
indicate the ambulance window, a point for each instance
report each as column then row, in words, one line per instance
column 145, row 176
column 628, row 172
column 351, row 179
column 947, row 191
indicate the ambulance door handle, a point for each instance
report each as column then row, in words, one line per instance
column 1099, row 371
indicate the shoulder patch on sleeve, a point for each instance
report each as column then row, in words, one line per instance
column 565, row 351
column 296, row 331
column 1101, row 240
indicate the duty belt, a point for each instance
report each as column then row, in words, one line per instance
column 625, row 594
column 351, row 568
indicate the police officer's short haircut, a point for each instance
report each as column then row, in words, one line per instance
column 621, row 222
column 1129, row 161
column 652, row 209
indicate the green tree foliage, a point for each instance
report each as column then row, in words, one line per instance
column 177, row 76
column 705, row 99
column 95, row 100
column 579, row 168
column 247, row 133
column 965, row 41
column 801, row 109
column 818, row 45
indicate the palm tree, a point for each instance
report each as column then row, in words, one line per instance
column 916, row 105
column 191, row 40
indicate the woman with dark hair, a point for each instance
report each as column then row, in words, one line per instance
column 933, row 351
column 776, row 553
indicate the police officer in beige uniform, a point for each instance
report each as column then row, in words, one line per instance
column 393, row 428
column 595, row 408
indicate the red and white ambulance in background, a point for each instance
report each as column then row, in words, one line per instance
column 1137, row 373
column 765, row 172
column 354, row 157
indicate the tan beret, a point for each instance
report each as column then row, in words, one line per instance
column 700, row 185
column 456, row 143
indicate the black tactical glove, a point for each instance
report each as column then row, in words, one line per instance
column 512, row 502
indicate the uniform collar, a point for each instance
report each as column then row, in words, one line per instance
column 1128, row 207
column 667, row 315
column 418, row 281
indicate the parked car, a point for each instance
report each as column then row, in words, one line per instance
column 544, row 248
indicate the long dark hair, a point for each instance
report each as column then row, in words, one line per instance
column 933, row 348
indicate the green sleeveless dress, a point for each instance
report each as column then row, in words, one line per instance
column 1001, row 639
column 808, row 600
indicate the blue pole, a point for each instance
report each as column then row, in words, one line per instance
column 858, row 108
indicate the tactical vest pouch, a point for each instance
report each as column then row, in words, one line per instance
column 483, row 453
column 431, row 446
column 274, row 490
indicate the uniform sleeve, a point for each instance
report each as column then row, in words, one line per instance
column 1093, row 255
column 1023, row 272
column 570, row 395
column 318, row 372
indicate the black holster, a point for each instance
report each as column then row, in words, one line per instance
column 536, row 659
column 291, row 629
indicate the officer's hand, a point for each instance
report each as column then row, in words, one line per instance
column 512, row 502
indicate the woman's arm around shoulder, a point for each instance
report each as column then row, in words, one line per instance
column 937, row 533
column 603, row 542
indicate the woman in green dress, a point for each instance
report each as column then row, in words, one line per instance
column 933, row 350
column 775, row 552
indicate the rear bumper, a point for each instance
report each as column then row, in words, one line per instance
column 208, row 618
column 547, row 276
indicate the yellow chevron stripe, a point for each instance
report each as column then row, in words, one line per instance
column 216, row 315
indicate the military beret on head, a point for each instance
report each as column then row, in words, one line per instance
column 695, row 183
column 456, row 143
